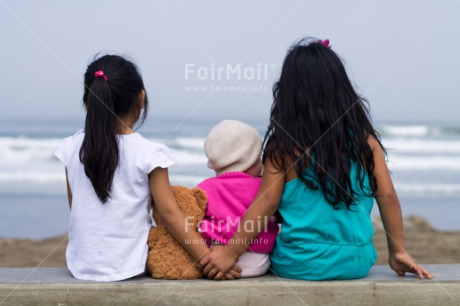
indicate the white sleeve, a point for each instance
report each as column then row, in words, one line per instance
column 160, row 156
column 61, row 151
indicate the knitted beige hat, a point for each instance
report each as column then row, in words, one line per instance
column 232, row 146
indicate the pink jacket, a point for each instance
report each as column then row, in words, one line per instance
column 229, row 196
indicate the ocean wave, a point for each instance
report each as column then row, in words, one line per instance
column 20, row 150
column 427, row 189
column 191, row 144
column 405, row 130
column 32, row 176
column 190, row 158
column 422, row 146
column 440, row 162
column 54, row 183
column 21, row 153
column 417, row 131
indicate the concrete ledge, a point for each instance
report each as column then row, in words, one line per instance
column 53, row 286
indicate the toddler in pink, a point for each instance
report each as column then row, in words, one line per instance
column 233, row 150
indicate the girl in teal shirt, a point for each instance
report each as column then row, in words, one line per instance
column 324, row 166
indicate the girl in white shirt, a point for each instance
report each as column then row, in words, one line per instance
column 112, row 172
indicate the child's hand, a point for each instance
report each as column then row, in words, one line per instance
column 403, row 262
column 233, row 273
column 221, row 262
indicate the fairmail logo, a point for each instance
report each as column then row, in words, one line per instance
column 213, row 72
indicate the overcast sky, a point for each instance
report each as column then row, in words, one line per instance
column 402, row 55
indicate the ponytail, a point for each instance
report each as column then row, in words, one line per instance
column 112, row 88
column 99, row 150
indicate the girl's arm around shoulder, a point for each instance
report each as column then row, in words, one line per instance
column 390, row 211
column 222, row 258
column 184, row 232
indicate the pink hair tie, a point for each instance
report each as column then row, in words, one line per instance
column 325, row 42
column 100, row 74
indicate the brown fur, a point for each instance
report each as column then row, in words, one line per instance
column 167, row 258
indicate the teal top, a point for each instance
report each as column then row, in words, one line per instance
column 319, row 242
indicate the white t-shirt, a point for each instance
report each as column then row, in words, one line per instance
column 108, row 242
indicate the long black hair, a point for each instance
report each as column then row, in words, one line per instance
column 107, row 98
column 318, row 120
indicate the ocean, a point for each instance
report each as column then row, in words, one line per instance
column 424, row 161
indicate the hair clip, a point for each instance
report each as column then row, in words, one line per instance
column 100, row 74
column 324, row 42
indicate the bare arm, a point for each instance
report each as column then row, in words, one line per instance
column 183, row 231
column 390, row 212
column 69, row 192
column 222, row 258
column 388, row 202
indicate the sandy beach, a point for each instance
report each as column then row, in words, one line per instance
column 426, row 245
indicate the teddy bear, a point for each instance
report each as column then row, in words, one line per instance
column 167, row 259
